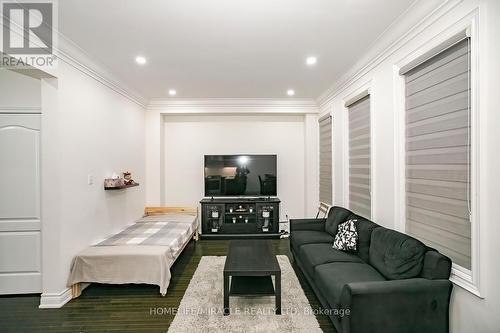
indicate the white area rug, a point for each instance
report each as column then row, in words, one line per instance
column 201, row 307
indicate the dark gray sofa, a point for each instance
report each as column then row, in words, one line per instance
column 393, row 283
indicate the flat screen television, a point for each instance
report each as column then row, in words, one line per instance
column 240, row 175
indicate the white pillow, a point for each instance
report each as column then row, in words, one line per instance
column 346, row 238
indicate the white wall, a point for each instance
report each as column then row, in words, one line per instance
column 87, row 128
column 187, row 138
column 469, row 313
column 19, row 93
column 275, row 128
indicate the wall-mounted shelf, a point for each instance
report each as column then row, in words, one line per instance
column 120, row 187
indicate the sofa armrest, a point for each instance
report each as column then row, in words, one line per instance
column 396, row 306
column 307, row 224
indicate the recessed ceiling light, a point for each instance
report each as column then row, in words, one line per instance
column 172, row 92
column 290, row 92
column 311, row 61
column 140, row 60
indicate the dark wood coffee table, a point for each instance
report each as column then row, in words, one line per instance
column 248, row 270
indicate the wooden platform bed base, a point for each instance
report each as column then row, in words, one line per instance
column 149, row 211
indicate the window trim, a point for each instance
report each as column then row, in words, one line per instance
column 350, row 98
column 465, row 278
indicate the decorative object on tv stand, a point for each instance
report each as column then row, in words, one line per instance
column 214, row 219
column 265, row 215
column 116, row 182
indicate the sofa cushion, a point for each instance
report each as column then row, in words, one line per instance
column 436, row 266
column 336, row 216
column 299, row 238
column 331, row 278
column 396, row 255
column 346, row 238
column 364, row 228
column 312, row 255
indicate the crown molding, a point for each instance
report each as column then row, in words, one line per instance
column 233, row 105
column 20, row 109
column 395, row 36
column 70, row 53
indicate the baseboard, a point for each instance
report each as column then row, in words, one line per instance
column 57, row 300
column 54, row 300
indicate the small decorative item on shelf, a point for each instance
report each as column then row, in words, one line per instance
column 127, row 176
column 113, row 182
column 116, row 182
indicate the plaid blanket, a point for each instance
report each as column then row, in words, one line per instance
column 154, row 230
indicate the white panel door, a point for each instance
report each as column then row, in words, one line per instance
column 20, row 267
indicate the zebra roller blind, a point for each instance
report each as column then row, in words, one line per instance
column 438, row 153
column 359, row 157
column 325, row 160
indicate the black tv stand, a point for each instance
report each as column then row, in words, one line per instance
column 240, row 218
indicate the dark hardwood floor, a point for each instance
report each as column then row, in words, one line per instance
column 126, row 308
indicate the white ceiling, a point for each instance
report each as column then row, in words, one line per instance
column 227, row 48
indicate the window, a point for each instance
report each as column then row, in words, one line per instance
column 325, row 159
column 359, row 156
column 438, row 158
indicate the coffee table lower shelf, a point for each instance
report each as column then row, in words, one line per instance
column 251, row 286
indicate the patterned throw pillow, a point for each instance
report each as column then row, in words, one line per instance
column 346, row 238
